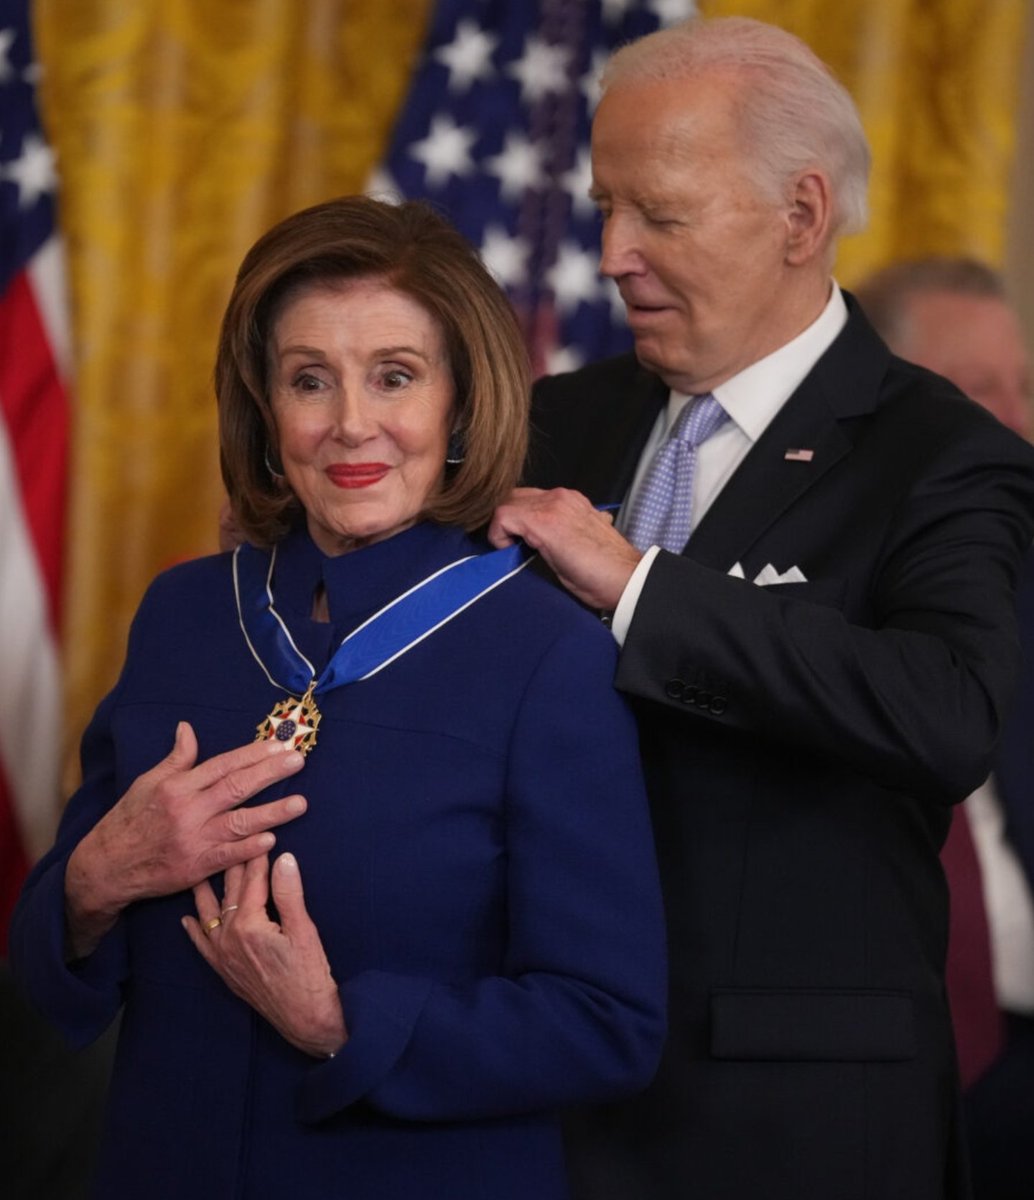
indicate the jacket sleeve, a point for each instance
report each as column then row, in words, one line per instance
column 577, row 1014
column 914, row 695
column 79, row 999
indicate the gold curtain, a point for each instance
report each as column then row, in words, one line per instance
column 937, row 83
column 186, row 127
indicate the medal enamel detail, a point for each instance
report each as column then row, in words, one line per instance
column 292, row 721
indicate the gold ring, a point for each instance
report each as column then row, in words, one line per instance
column 229, row 909
column 214, row 923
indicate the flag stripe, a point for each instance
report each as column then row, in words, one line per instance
column 34, row 408
column 33, row 467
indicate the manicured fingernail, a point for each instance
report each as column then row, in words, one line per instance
column 296, row 805
column 287, row 862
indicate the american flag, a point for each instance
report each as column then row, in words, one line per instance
column 33, row 459
column 495, row 132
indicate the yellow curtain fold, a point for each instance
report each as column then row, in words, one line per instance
column 186, row 127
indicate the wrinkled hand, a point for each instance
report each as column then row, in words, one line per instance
column 177, row 824
column 586, row 553
column 280, row 970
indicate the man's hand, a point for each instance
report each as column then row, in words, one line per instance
column 587, row 554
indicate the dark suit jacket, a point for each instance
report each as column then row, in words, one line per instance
column 1014, row 758
column 802, row 745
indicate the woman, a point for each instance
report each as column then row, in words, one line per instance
column 478, row 942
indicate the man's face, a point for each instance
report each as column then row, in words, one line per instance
column 977, row 343
column 698, row 255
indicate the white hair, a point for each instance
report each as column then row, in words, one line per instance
column 793, row 113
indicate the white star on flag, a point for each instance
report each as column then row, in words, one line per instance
column 574, row 277
column 468, row 56
column 518, row 166
column 577, row 182
column 540, row 70
column 670, row 12
column 590, row 81
column 506, row 257
column 33, row 171
column 445, row 151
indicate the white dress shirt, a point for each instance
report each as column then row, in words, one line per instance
column 752, row 399
column 1007, row 901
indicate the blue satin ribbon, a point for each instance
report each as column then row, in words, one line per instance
column 389, row 633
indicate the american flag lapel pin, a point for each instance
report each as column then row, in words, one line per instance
column 799, row 455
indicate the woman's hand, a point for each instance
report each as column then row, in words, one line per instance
column 280, row 970
column 179, row 823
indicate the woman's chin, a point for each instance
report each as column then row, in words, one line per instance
column 341, row 539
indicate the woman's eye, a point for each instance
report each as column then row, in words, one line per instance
column 304, row 382
column 395, row 379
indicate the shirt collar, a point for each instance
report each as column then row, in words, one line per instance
column 754, row 396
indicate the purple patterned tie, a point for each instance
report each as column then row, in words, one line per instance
column 662, row 514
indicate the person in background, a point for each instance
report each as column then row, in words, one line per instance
column 461, row 931
column 954, row 316
column 812, row 584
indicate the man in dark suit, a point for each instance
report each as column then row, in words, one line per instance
column 953, row 315
column 820, row 672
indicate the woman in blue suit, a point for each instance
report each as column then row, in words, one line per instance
column 478, row 942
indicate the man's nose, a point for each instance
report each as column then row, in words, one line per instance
column 620, row 253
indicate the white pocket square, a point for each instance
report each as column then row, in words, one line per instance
column 768, row 575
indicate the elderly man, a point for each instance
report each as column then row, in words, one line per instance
column 811, row 579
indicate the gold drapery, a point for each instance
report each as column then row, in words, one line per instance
column 185, row 127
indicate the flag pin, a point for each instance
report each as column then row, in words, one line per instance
column 800, row 455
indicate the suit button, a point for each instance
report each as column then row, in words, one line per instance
column 673, row 689
column 703, row 699
column 718, row 705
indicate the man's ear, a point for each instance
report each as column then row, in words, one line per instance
column 809, row 217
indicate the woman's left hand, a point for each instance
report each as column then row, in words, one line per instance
column 280, row 970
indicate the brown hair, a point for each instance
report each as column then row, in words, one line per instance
column 412, row 248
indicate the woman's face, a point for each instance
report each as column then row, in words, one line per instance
column 362, row 395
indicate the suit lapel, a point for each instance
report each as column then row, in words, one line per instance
column 766, row 483
column 609, row 463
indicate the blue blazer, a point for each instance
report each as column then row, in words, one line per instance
column 476, row 855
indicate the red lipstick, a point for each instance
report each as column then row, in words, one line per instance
column 356, row 475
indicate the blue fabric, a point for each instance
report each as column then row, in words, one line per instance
column 476, row 855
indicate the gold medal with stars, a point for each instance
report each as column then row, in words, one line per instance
column 293, row 721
